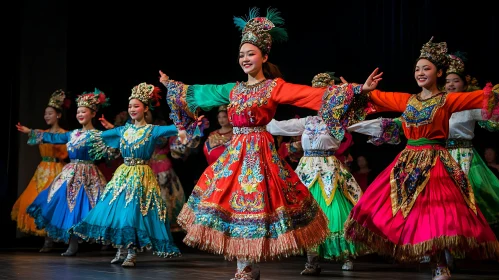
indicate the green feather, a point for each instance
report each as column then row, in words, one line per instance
column 279, row 34
column 461, row 55
column 275, row 16
column 240, row 22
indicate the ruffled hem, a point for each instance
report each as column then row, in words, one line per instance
column 458, row 245
column 132, row 238
column 337, row 248
column 259, row 249
column 57, row 234
column 24, row 227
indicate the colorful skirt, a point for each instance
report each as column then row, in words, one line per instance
column 130, row 214
column 44, row 175
column 485, row 184
column 421, row 204
column 336, row 192
column 250, row 204
column 67, row 200
column 170, row 187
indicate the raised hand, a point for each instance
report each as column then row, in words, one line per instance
column 22, row 128
column 372, row 81
column 105, row 123
column 182, row 136
column 163, row 78
column 343, row 81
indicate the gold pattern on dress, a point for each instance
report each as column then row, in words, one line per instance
column 421, row 112
column 244, row 96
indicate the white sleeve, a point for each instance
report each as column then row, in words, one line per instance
column 369, row 127
column 292, row 127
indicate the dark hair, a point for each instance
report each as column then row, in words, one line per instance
column 271, row 71
column 440, row 80
column 62, row 120
column 461, row 75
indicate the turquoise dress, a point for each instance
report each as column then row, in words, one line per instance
column 74, row 192
column 131, row 213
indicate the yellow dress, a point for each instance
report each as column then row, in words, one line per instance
column 50, row 166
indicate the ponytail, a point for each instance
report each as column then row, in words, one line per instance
column 271, row 71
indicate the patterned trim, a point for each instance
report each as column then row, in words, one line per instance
column 318, row 153
column 454, row 143
column 248, row 130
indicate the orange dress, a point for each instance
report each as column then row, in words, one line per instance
column 50, row 166
column 249, row 204
column 422, row 203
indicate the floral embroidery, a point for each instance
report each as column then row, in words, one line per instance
column 244, row 96
column 314, row 127
column 421, row 112
column 135, row 137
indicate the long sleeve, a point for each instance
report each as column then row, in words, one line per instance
column 292, row 127
column 487, row 100
column 380, row 130
column 298, row 95
column 61, row 152
column 161, row 132
column 184, row 102
column 37, row 136
column 105, row 144
column 388, row 101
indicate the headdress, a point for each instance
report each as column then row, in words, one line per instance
column 222, row 108
column 324, row 79
column 58, row 100
column 456, row 63
column 147, row 94
column 93, row 100
column 435, row 52
column 261, row 31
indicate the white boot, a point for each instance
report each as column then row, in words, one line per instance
column 246, row 270
column 119, row 257
column 130, row 258
column 348, row 265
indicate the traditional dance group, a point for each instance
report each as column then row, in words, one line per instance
column 437, row 201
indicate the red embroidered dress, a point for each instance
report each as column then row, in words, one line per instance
column 249, row 203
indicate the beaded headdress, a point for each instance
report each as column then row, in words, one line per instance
column 435, row 52
column 456, row 64
column 261, row 31
column 93, row 100
column 58, row 100
column 324, row 80
column 147, row 94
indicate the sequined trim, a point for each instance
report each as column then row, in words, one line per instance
column 244, row 96
column 128, row 161
column 421, row 112
column 248, row 130
column 318, row 153
column 454, row 143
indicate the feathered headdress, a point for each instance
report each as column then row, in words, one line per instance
column 147, row 94
column 58, row 100
column 324, row 79
column 93, row 100
column 261, row 31
column 435, row 52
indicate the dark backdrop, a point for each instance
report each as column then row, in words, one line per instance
column 117, row 46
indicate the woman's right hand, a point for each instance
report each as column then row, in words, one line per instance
column 163, row 78
column 22, row 128
column 105, row 123
column 372, row 81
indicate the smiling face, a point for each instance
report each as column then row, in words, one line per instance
column 426, row 73
column 136, row 109
column 84, row 115
column 454, row 83
column 251, row 59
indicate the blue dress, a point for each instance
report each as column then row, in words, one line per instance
column 131, row 213
column 74, row 192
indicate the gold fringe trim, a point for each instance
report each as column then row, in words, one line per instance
column 262, row 249
column 458, row 245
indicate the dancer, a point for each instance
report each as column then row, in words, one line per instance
column 401, row 213
column 217, row 141
column 53, row 157
column 131, row 215
column 328, row 180
column 76, row 189
column 249, row 205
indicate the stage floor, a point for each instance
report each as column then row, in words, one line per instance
column 27, row 263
